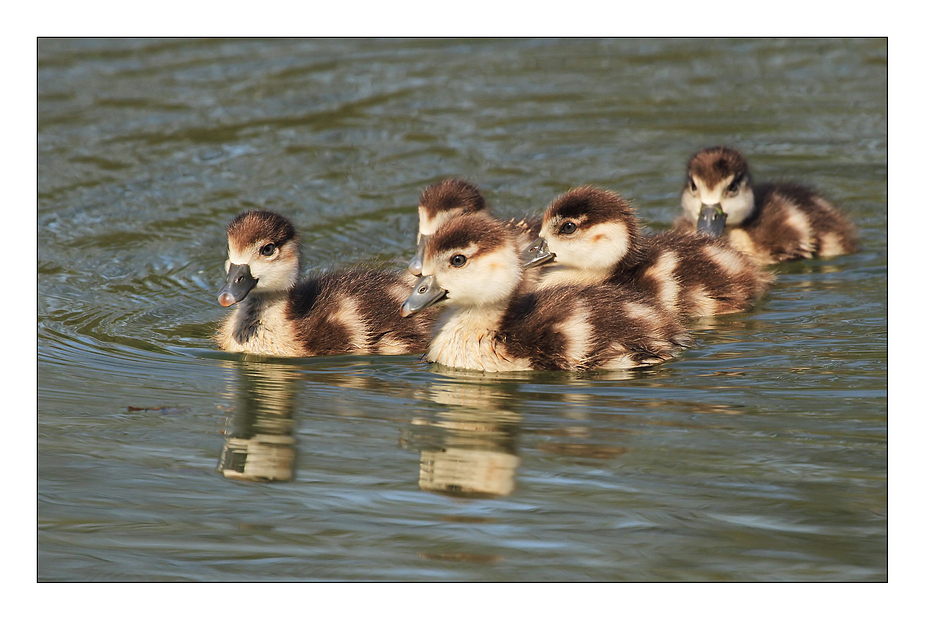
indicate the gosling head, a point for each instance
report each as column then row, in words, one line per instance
column 718, row 190
column 439, row 203
column 471, row 261
column 587, row 228
column 263, row 256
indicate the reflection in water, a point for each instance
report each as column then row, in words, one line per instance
column 261, row 446
column 146, row 148
column 468, row 471
column 470, row 449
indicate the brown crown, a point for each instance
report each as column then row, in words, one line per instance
column 712, row 165
column 593, row 206
column 451, row 194
column 252, row 227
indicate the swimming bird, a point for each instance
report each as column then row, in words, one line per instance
column 770, row 222
column 472, row 267
column 591, row 235
column 339, row 312
column 442, row 201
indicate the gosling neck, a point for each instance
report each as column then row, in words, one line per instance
column 260, row 325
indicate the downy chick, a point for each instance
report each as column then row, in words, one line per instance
column 443, row 201
column 472, row 267
column 772, row 223
column 591, row 235
column 348, row 311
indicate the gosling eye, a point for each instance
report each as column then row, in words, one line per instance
column 268, row 250
column 458, row 260
column 692, row 185
column 568, row 228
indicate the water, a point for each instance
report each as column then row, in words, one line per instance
column 759, row 455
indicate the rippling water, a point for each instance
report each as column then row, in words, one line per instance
column 759, row 455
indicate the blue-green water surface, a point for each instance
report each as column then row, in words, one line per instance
column 759, row 455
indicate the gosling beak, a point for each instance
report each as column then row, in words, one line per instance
column 417, row 261
column 712, row 220
column 426, row 293
column 537, row 254
column 237, row 285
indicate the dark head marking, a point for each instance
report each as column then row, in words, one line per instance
column 592, row 205
column 715, row 164
column 449, row 195
column 252, row 227
column 470, row 228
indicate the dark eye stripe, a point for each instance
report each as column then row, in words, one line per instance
column 736, row 181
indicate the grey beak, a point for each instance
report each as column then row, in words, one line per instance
column 537, row 254
column 237, row 285
column 712, row 220
column 417, row 261
column 426, row 293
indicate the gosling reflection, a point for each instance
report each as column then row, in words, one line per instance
column 261, row 445
column 469, row 449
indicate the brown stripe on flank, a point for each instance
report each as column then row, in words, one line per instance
column 252, row 227
column 449, row 195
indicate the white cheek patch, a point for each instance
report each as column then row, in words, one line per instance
column 466, row 291
column 611, row 242
column 272, row 273
column 739, row 207
column 485, row 280
column 597, row 248
column 276, row 275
